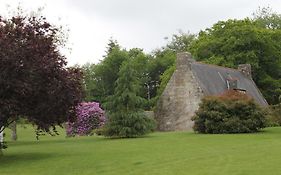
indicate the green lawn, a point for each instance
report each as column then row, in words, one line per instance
column 159, row 153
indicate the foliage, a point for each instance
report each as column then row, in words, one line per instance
column 139, row 62
column 3, row 145
column 165, row 79
column 161, row 61
column 233, row 42
column 89, row 81
column 89, row 116
column 181, row 42
column 232, row 112
column 126, row 119
column 266, row 18
column 275, row 115
column 128, row 124
column 34, row 80
column 100, row 79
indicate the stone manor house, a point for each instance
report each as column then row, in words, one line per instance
column 193, row 80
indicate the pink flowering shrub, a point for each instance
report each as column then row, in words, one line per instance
column 89, row 116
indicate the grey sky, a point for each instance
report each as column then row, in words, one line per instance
column 134, row 23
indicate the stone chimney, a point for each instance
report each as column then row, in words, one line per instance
column 245, row 69
column 184, row 60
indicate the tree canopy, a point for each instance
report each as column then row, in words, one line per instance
column 233, row 42
column 100, row 79
column 267, row 18
column 180, row 42
column 34, row 80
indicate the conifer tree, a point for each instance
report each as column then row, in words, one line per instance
column 126, row 118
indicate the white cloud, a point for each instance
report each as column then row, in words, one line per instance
column 134, row 23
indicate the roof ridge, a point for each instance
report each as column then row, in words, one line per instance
column 215, row 65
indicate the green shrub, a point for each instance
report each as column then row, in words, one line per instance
column 130, row 124
column 275, row 115
column 232, row 112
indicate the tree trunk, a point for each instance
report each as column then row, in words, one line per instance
column 13, row 127
column 1, row 136
column 1, row 141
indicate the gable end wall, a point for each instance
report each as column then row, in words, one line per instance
column 179, row 101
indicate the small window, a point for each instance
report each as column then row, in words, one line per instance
column 232, row 83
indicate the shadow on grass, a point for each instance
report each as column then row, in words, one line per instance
column 70, row 140
column 129, row 138
column 8, row 160
column 268, row 130
column 99, row 139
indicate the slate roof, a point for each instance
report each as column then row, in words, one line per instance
column 212, row 80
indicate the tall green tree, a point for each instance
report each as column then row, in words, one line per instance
column 100, row 79
column 139, row 62
column 125, row 115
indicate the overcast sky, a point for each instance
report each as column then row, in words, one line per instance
column 133, row 23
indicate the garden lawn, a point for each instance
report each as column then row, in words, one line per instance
column 171, row 153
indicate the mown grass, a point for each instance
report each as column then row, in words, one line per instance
column 170, row 153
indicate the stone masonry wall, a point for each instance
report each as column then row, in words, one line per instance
column 180, row 99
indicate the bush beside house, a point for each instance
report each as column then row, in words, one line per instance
column 275, row 115
column 231, row 112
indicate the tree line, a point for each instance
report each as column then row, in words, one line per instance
column 255, row 40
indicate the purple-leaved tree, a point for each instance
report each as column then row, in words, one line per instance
column 34, row 80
